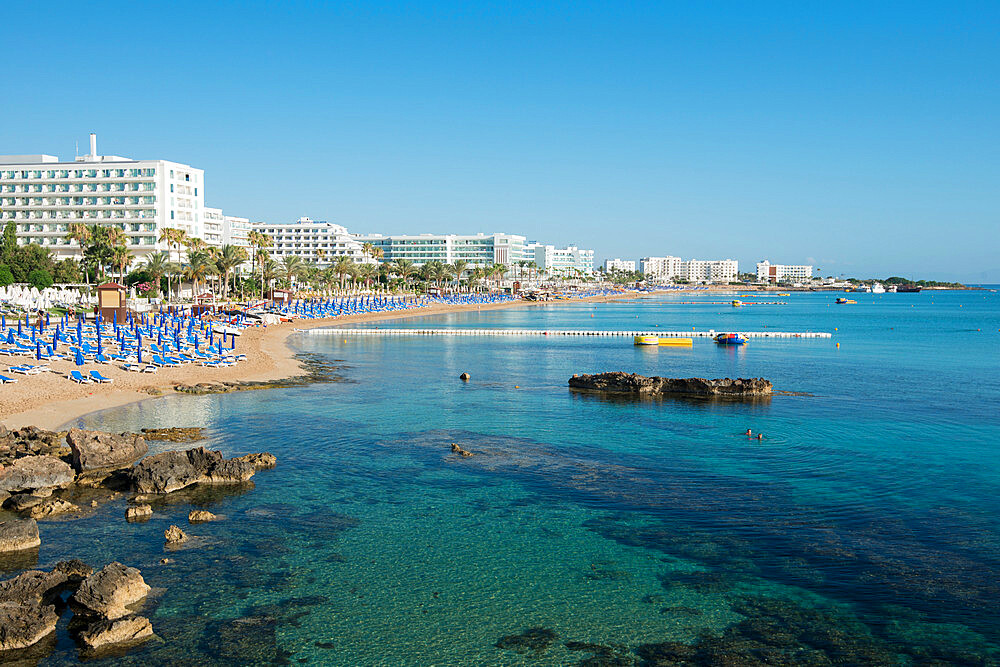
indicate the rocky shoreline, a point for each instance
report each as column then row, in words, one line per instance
column 621, row 383
column 40, row 473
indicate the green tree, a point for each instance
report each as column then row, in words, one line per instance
column 292, row 266
column 230, row 257
column 157, row 265
column 66, row 271
column 40, row 278
column 199, row 266
column 9, row 242
column 6, row 277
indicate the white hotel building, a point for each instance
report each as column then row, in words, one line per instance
column 43, row 196
column 619, row 265
column 314, row 241
column 775, row 273
column 568, row 261
column 692, row 270
column 476, row 249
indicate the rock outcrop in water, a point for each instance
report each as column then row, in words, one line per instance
column 35, row 472
column 631, row 383
column 18, row 535
column 96, row 450
column 171, row 471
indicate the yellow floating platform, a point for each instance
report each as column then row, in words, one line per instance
column 677, row 342
column 646, row 340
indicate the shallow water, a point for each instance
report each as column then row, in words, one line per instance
column 862, row 529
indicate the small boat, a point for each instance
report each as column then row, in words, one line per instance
column 845, row 300
column 730, row 339
column 877, row 288
column 737, row 303
column 908, row 288
column 784, row 294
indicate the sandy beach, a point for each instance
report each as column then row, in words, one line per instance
column 50, row 400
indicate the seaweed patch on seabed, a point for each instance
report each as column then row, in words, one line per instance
column 935, row 563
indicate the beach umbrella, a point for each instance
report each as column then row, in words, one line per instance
column 79, row 356
column 55, row 338
column 79, row 331
column 38, row 350
column 46, row 319
column 10, row 336
column 19, row 327
column 3, row 320
column 159, row 337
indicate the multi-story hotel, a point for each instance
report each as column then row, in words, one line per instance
column 236, row 231
column 43, row 196
column 567, row 261
column 692, row 270
column 313, row 240
column 619, row 265
column 773, row 273
column 477, row 249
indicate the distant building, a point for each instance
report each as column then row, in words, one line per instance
column 236, row 231
column 314, row 241
column 619, row 265
column 213, row 226
column 660, row 269
column 43, row 196
column 692, row 270
column 567, row 261
column 774, row 273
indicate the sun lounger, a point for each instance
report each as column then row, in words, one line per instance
column 6, row 380
column 97, row 377
column 78, row 377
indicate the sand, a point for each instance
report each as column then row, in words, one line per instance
column 50, row 400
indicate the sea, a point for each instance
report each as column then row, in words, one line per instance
column 863, row 528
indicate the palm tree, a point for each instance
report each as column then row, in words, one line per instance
column 172, row 236
column 459, row 269
column 427, row 271
column 268, row 269
column 199, row 266
column 497, row 271
column 442, row 272
column 403, row 268
column 476, row 275
column 261, row 242
column 157, row 265
column 365, row 272
column 229, row 257
column 292, row 265
column 320, row 255
column 342, row 266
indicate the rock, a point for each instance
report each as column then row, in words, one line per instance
column 626, row 383
column 33, row 586
column 24, row 624
column 260, row 461
column 458, row 450
column 51, row 507
column 201, row 516
column 138, row 512
column 35, row 472
column 108, row 592
column 74, row 569
column 16, row 535
column 170, row 471
column 96, row 450
column 128, row 630
column 174, row 535
column 22, row 501
column 4, row 495
column 465, row 377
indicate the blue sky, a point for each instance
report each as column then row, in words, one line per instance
column 862, row 137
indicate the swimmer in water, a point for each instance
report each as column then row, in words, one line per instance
column 760, row 436
column 748, row 433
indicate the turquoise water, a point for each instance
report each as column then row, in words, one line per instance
column 863, row 529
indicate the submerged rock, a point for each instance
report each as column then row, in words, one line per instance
column 108, row 592
column 16, row 535
column 97, row 450
column 174, row 535
column 260, row 461
column 127, row 630
column 457, row 449
column 175, row 433
column 631, row 383
column 201, row 516
column 35, row 472
column 532, row 640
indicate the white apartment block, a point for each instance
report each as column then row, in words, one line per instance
column 44, row 196
column 236, row 231
column 213, row 226
column 619, row 265
column 566, row 261
column 691, row 270
column 660, row 269
column 476, row 249
column 314, row 241
column 773, row 273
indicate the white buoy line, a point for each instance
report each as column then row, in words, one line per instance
column 711, row 333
